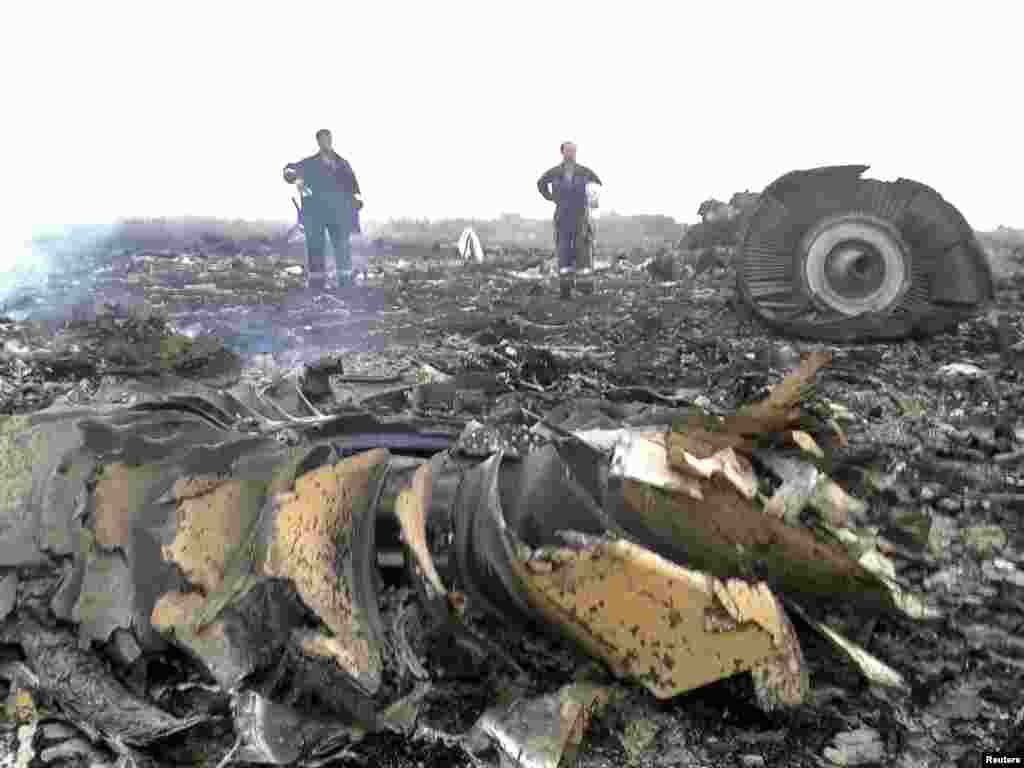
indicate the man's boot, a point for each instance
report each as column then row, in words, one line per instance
column 315, row 286
column 585, row 282
column 566, row 286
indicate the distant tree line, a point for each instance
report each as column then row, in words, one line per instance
column 613, row 230
column 1005, row 245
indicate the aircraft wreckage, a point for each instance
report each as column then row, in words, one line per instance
column 257, row 549
column 828, row 255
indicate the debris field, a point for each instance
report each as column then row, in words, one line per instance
column 446, row 518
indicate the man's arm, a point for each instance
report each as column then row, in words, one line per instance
column 593, row 177
column 355, row 181
column 294, row 173
column 294, row 169
column 544, row 186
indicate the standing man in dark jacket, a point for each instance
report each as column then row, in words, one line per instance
column 566, row 186
column 330, row 204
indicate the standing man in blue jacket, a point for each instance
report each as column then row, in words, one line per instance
column 330, row 204
column 566, row 186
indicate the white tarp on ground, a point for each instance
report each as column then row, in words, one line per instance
column 469, row 246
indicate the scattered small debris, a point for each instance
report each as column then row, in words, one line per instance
column 874, row 670
column 859, row 747
column 542, row 732
column 638, row 737
column 966, row 370
column 191, row 470
column 984, row 540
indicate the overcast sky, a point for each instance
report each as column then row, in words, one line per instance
column 455, row 108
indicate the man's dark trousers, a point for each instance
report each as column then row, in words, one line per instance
column 570, row 238
column 318, row 222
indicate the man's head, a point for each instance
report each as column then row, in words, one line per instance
column 323, row 138
column 568, row 151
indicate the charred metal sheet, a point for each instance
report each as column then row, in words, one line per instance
column 31, row 452
column 270, row 733
column 107, row 598
column 579, row 540
column 484, row 560
column 311, row 542
column 311, row 662
column 443, row 609
column 66, row 489
column 244, row 638
column 8, row 593
column 726, row 535
column 565, row 478
column 229, row 545
column 363, row 558
column 355, row 433
column 80, row 681
column 147, row 437
column 401, row 470
column 670, row 628
column 221, row 415
column 401, row 504
column 829, row 255
column 185, row 530
column 716, row 525
column 166, row 391
column 651, row 620
column 412, row 509
column 642, row 457
column 210, row 527
column 533, row 500
column 874, row 670
column 262, row 550
column 542, row 732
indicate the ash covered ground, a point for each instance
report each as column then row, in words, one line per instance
column 934, row 426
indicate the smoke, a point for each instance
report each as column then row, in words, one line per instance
column 23, row 270
column 29, row 262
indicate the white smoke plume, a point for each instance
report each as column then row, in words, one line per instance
column 29, row 259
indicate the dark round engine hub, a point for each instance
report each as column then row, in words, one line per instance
column 854, row 269
column 854, row 263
